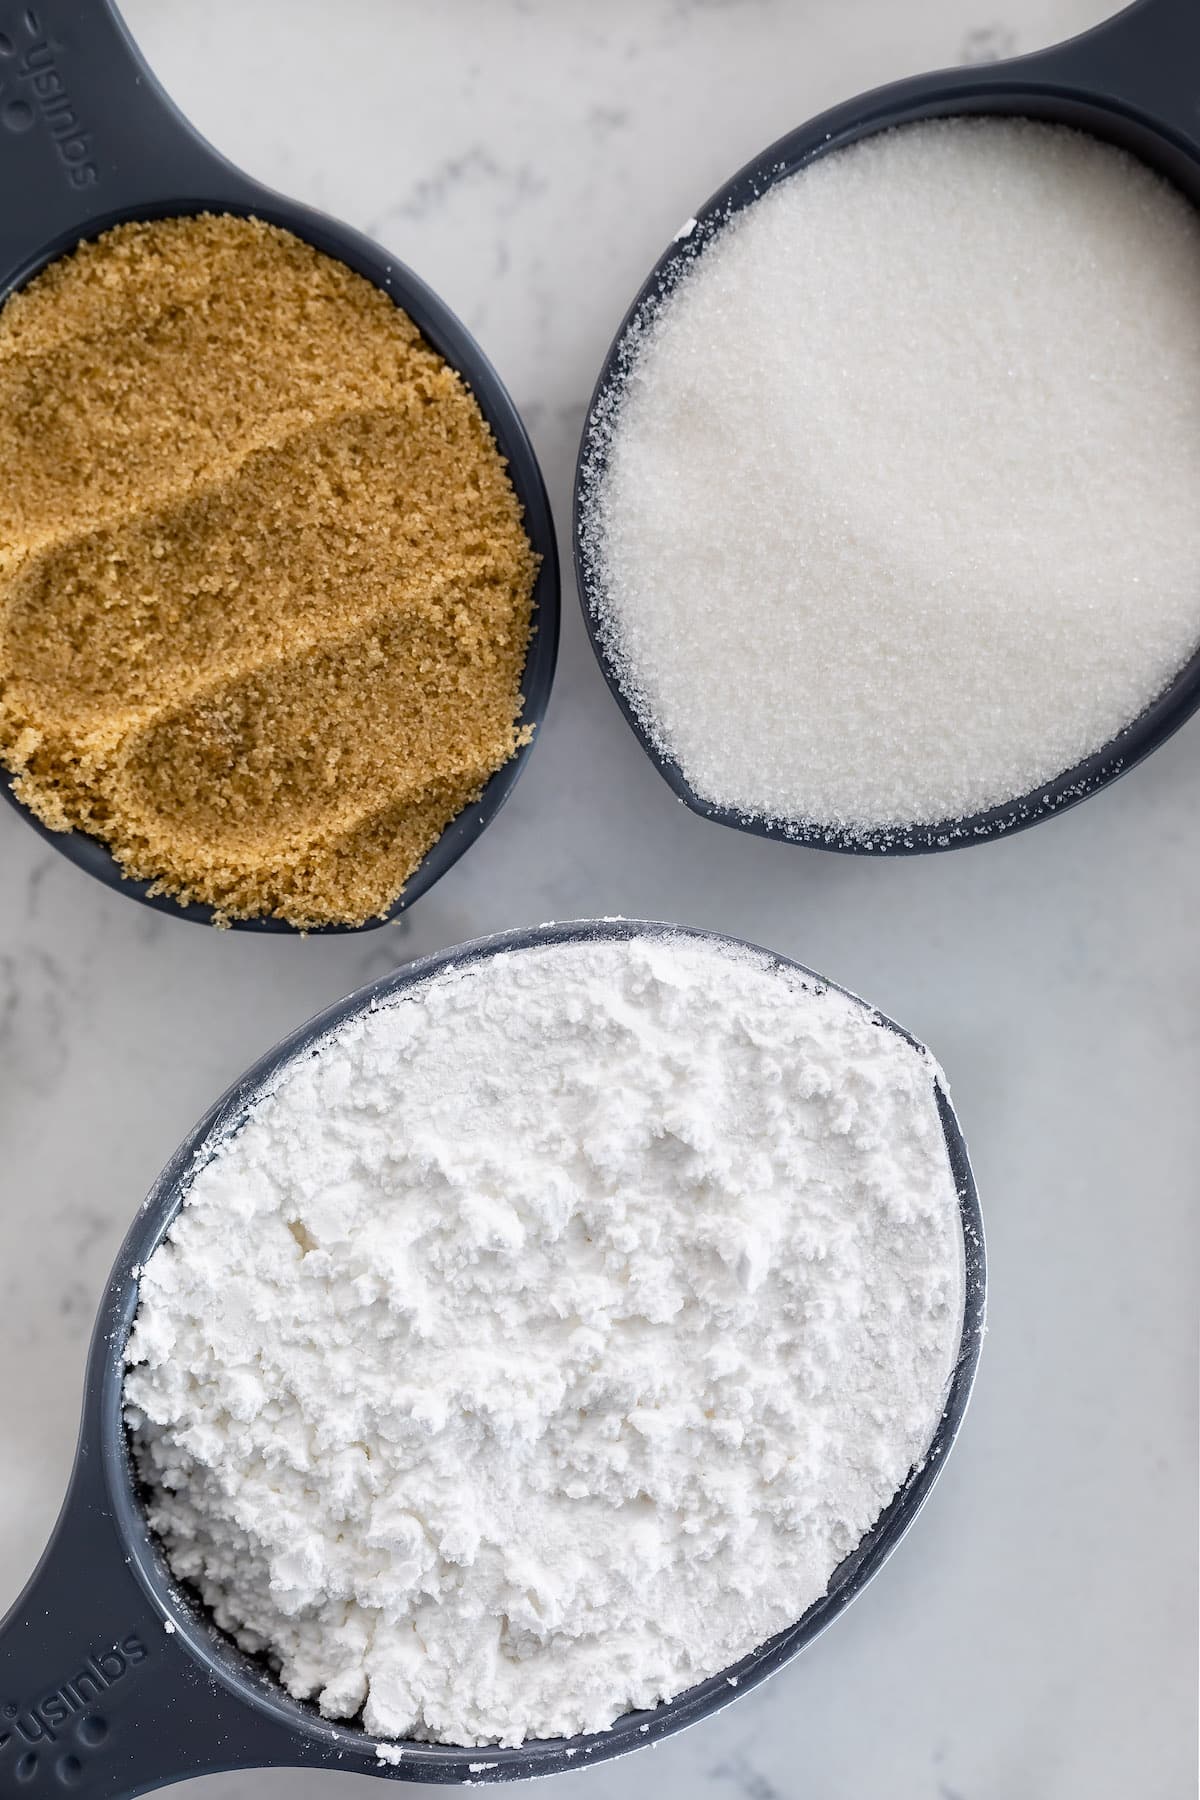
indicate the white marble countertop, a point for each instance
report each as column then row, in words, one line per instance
column 1035, row 1635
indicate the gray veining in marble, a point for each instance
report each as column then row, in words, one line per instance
column 1036, row 1634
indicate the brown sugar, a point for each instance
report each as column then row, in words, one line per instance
column 265, row 592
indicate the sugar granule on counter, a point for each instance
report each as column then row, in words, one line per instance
column 542, row 1344
column 892, row 516
column 265, row 591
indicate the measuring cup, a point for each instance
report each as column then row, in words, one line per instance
column 114, row 1681
column 1134, row 81
column 88, row 139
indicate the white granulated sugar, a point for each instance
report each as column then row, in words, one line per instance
column 900, row 513
column 541, row 1345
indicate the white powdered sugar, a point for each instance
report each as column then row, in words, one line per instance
column 541, row 1344
column 893, row 517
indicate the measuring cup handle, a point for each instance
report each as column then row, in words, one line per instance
column 1147, row 56
column 99, row 1693
column 87, row 136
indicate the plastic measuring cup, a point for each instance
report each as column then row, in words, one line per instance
column 113, row 1681
column 88, row 139
column 1134, row 81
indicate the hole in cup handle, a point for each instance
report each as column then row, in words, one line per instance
column 97, row 1696
column 87, row 135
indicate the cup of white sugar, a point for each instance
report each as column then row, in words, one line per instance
column 887, row 527
column 552, row 1346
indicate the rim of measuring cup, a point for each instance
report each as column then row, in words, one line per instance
column 1038, row 87
column 247, row 1679
column 451, row 339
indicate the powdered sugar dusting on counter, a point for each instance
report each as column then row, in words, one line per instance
column 541, row 1345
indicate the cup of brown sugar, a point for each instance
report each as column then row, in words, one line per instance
column 278, row 591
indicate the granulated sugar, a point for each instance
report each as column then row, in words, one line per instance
column 899, row 518
column 543, row 1344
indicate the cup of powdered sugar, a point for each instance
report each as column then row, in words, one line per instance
column 520, row 1362
column 541, row 1347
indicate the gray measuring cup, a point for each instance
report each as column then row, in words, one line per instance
column 114, row 1681
column 88, row 139
column 1134, row 81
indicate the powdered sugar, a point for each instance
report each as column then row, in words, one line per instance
column 894, row 516
column 541, row 1345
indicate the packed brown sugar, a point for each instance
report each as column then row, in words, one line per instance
column 265, row 590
